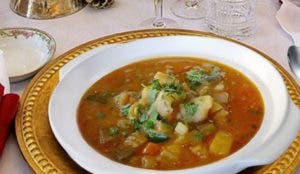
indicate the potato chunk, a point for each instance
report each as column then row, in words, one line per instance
column 127, row 97
column 170, row 153
column 135, row 140
column 221, row 144
column 204, row 104
column 163, row 104
column 199, row 150
column 164, row 78
column 149, row 162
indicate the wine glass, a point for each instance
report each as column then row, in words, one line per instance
column 189, row 9
column 159, row 21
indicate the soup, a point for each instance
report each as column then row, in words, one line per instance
column 170, row 113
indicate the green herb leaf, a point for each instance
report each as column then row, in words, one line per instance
column 100, row 115
column 155, row 84
column 173, row 88
column 198, row 136
column 102, row 98
column 152, row 95
column 149, row 124
column 156, row 136
column 113, row 131
column 144, row 117
column 125, row 109
column 198, row 76
column 190, row 109
column 195, row 76
column 136, row 124
column 153, row 114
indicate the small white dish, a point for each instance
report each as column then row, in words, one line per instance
column 279, row 121
column 25, row 51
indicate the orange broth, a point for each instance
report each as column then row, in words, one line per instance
column 245, row 108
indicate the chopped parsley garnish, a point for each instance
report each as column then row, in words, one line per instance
column 190, row 109
column 149, row 124
column 136, row 124
column 125, row 110
column 101, row 98
column 198, row 136
column 100, row 115
column 173, row 88
column 155, row 84
column 198, row 76
column 153, row 114
column 152, row 95
column 113, row 131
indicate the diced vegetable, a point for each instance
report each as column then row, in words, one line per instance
column 203, row 90
column 221, row 144
column 126, row 97
column 199, row 150
column 181, row 129
column 163, row 78
column 222, row 97
column 186, row 87
column 163, row 104
column 152, row 149
column 163, row 127
column 123, row 153
column 124, row 124
column 204, row 104
column 148, row 162
column 170, row 153
column 215, row 107
column 221, row 117
column 104, row 136
column 207, row 128
column 136, row 139
column 220, row 86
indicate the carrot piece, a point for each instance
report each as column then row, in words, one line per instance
column 152, row 149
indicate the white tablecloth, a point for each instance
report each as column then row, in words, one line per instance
column 125, row 15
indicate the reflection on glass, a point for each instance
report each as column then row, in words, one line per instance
column 159, row 21
column 189, row 9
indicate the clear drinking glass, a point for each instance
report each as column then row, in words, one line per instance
column 189, row 9
column 159, row 21
column 232, row 18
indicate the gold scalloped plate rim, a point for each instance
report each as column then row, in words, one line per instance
column 26, row 137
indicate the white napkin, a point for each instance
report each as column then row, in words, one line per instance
column 3, row 74
column 73, row 63
column 288, row 17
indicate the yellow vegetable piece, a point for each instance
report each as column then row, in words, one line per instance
column 221, row 143
column 221, row 117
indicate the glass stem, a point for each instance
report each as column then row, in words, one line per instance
column 158, row 21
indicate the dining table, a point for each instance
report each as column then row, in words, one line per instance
column 126, row 15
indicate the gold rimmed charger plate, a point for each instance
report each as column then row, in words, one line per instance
column 45, row 155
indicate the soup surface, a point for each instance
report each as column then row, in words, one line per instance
column 170, row 113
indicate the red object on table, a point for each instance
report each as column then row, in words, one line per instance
column 8, row 108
